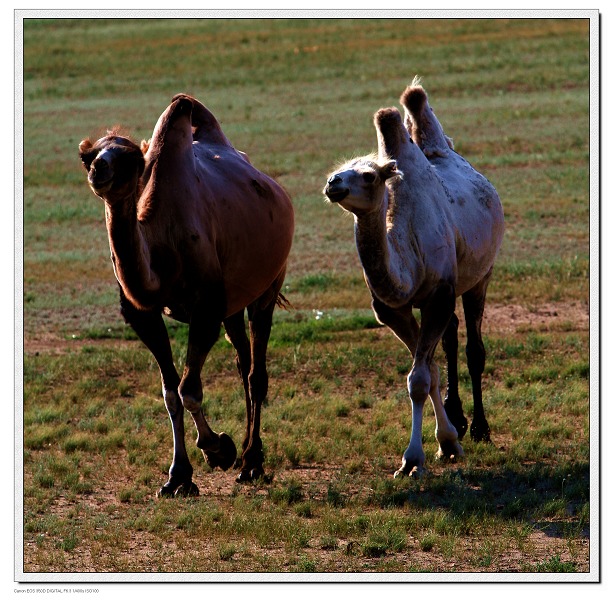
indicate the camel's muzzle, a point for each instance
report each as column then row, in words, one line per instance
column 337, row 195
column 100, row 173
column 335, row 190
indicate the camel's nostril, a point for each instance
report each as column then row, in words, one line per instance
column 100, row 172
column 334, row 179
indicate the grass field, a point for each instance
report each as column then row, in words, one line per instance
column 298, row 96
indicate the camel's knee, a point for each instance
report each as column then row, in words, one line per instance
column 419, row 382
column 172, row 402
column 258, row 384
column 190, row 392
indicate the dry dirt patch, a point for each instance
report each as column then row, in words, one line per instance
column 498, row 318
column 514, row 317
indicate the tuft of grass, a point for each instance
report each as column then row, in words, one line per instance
column 555, row 565
column 428, row 542
column 290, row 493
column 227, row 551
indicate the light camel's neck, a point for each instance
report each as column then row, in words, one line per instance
column 130, row 253
column 386, row 270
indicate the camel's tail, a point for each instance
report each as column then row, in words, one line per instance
column 283, row 303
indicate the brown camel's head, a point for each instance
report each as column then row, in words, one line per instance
column 113, row 164
column 358, row 186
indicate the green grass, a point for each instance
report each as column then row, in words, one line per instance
column 298, row 96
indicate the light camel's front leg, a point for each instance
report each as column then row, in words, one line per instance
column 423, row 381
column 205, row 325
column 404, row 325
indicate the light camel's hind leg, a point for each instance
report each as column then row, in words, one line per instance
column 453, row 404
column 474, row 304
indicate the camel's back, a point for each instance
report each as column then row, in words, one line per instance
column 476, row 211
column 473, row 200
column 251, row 215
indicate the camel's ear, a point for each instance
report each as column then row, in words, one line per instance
column 87, row 153
column 389, row 170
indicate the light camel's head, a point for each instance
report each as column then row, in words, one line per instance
column 359, row 185
column 113, row 164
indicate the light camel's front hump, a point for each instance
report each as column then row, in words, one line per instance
column 418, row 250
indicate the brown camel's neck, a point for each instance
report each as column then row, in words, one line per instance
column 130, row 253
column 386, row 270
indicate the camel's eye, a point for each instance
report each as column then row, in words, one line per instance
column 369, row 177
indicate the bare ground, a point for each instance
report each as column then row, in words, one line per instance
column 540, row 545
column 498, row 318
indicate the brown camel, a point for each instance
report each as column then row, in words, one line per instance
column 199, row 234
column 427, row 230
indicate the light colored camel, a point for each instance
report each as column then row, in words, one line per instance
column 199, row 234
column 427, row 230
column 426, row 131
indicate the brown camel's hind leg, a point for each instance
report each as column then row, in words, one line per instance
column 453, row 404
column 474, row 304
column 237, row 335
column 260, row 323
column 150, row 328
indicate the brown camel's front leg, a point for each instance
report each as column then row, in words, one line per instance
column 150, row 328
column 218, row 449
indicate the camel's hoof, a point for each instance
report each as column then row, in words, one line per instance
column 186, row 490
column 415, row 473
column 224, row 457
column 450, row 451
column 246, row 475
column 164, row 492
